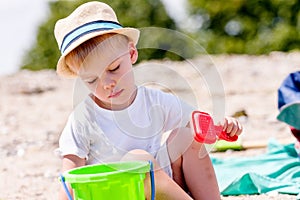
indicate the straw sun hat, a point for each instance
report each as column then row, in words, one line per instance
column 87, row 21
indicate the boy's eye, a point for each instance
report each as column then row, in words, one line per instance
column 92, row 81
column 114, row 69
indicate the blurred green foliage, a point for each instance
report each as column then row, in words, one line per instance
column 231, row 26
column 246, row 26
column 135, row 13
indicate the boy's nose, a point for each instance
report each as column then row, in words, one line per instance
column 109, row 83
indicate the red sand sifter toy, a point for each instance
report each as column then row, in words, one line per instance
column 206, row 131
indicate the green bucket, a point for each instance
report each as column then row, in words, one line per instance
column 120, row 180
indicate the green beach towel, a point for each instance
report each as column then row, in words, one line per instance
column 277, row 170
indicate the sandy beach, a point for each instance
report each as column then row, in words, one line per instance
column 35, row 106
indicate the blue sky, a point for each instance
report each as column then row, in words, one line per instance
column 19, row 20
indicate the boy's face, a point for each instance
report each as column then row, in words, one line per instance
column 111, row 82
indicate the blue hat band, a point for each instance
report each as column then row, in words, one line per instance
column 85, row 29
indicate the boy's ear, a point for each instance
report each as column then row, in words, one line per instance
column 133, row 52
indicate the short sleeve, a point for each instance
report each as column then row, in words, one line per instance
column 177, row 112
column 74, row 139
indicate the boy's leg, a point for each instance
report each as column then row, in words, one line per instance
column 191, row 165
column 165, row 187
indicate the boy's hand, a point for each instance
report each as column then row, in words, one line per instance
column 232, row 126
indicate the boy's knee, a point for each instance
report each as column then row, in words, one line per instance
column 138, row 154
column 178, row 142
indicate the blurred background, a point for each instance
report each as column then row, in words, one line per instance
column 254, row 45
column 220, row 27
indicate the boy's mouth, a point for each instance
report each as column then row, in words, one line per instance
column 115, row 94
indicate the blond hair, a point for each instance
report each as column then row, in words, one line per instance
column 108, row 43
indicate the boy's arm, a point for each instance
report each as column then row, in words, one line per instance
column 70, row 162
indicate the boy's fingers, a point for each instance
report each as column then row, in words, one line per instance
column 232, row 126
column 225, row 124
column 228, row 125
column 236, row 129
column 233, row 131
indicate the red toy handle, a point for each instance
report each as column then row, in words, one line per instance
column 206, row 131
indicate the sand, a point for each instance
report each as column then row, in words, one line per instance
column 35, row 106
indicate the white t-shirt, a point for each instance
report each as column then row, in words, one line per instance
column 102, row 135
